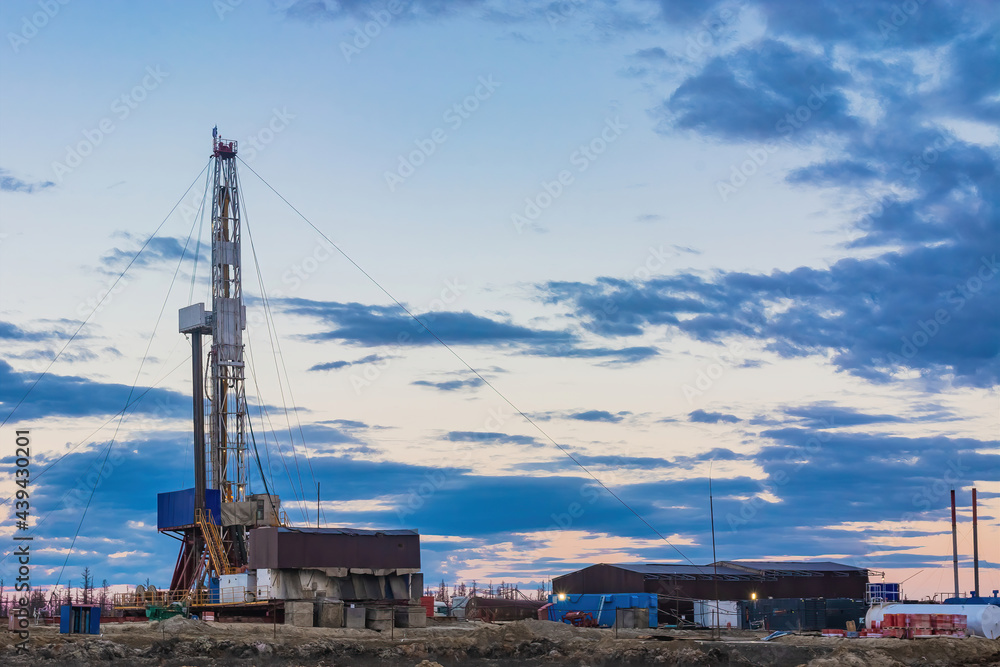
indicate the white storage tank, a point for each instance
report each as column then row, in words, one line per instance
column 982, row 619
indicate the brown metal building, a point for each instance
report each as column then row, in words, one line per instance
column 679, row 585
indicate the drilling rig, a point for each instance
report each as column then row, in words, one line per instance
column 238, row 554
column 212, row 519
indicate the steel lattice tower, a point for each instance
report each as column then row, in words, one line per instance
column 227, row 454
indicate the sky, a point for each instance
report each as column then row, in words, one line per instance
column 667, row 250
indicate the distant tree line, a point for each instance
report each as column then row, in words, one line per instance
column 47, row 603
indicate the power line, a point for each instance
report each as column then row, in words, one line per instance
column 486, row 382
column 101, row 301
column 135, row 383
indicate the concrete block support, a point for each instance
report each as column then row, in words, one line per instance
column 412, row 616
column 354, row 617
column 329, row 615
column 299, row 614
column 379, row 619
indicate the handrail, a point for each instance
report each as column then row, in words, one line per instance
column 198, row 598
column 213, row 540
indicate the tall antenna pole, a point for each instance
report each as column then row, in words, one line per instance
column 954, row 542
column 975, row 542
column 715, row 562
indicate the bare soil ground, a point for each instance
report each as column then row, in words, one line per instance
column 179, row 642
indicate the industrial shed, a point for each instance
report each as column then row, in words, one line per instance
column 678, row 586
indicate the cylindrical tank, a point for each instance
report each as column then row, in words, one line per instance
column 981, row 619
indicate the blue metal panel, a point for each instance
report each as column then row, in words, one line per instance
column 65, row 613
column 95, row 621
column 603, row 607
column 175, row 509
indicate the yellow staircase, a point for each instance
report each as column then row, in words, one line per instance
column 213, row 540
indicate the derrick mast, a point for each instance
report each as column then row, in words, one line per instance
column 213, row 518
column 227, row 458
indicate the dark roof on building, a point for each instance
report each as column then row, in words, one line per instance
column 794, row 566
column 345, row 531
column 668, row 569
column 740, row 569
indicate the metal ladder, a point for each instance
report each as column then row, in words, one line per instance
column 213, row 540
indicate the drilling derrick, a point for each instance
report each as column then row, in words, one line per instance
column 212, row 519
column 227, row 458
column 229, row 535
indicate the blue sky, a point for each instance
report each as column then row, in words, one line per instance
column 756, row 238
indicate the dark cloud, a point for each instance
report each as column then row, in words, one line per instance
column 491, row 437
column 703, row 417
column 69, row 396
column 599, row 416
column 750, row 95
column 157, row 250
column 10, row 331
column 337, row 365
column 826, row 415
column 370, row 326
column 11, row 183
column 875, row 24
column 928, row 309
column 450, row 385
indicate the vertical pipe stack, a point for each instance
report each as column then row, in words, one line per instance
column 975, row 541
column 954, row 542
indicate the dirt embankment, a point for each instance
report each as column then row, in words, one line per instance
column 178, row 642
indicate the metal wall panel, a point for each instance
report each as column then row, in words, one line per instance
column 175, row 509
column 321, row 548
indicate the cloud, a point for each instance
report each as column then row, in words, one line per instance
column 70, row 396
column 749, row 94
column 10, row 331
column 599, row 416
column 827, row 415
column 337, row 365
column 157, row 250
column 371, row 326
column 491, row 437
column 11, row 183
column 450, row 385
column 703, row 417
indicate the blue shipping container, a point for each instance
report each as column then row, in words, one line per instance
column 80, row 619
column 175, row 509
column 604, row 608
